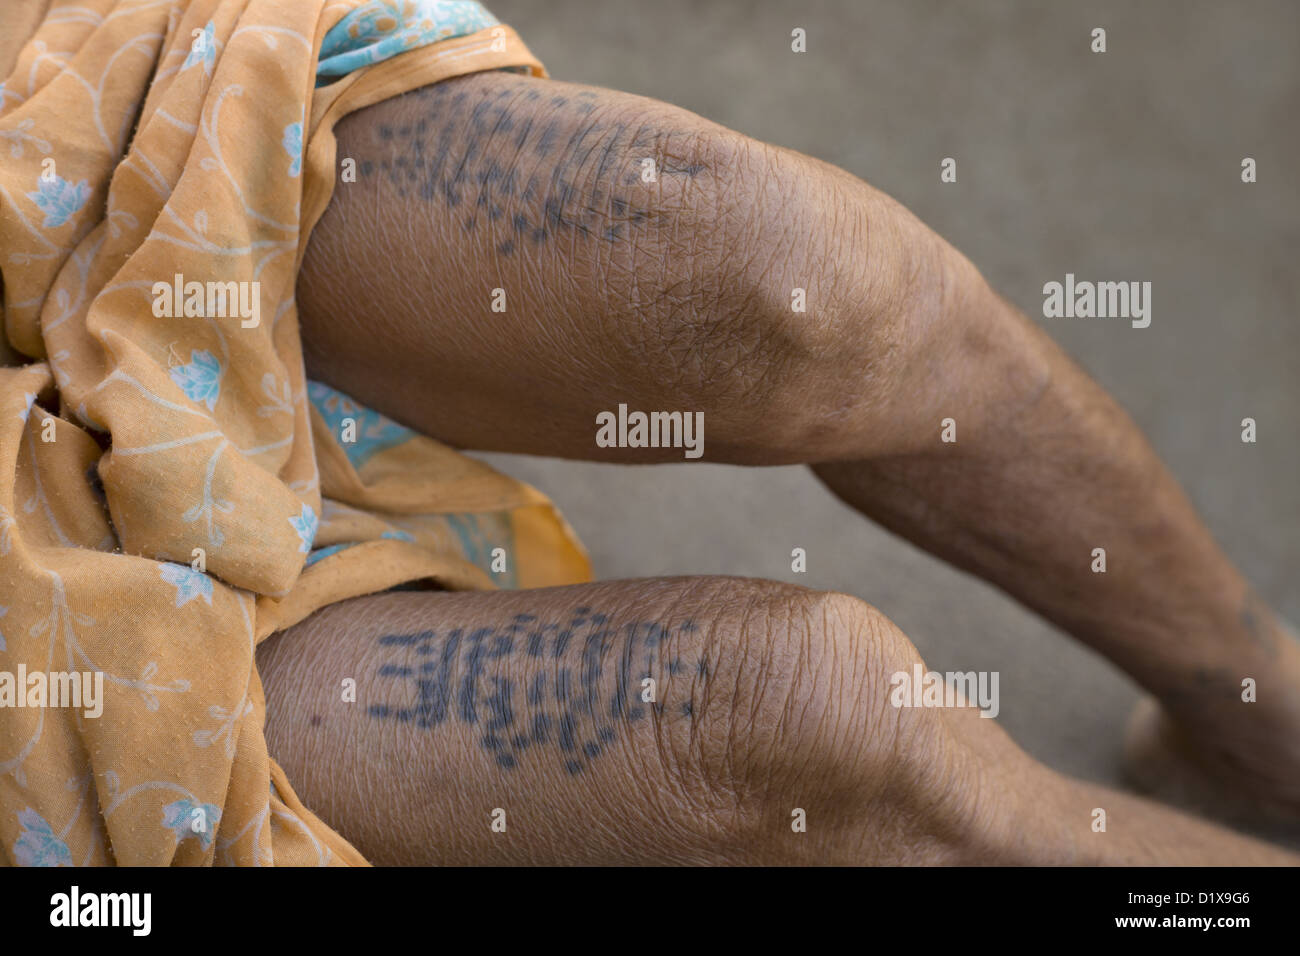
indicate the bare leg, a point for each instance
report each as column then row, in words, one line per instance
column 677, row 295
column 766, row 699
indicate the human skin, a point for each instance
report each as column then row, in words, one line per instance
column 768, row 699
column 676, row 294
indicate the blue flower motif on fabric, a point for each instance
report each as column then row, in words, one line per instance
column 29, row 399
column 382, row 29
column 372, row 432
column 305, row 524
column 202, row 50
column 200, row 380
column 292, row 143
column 189, row 584
column 37, row 845
column 188, row 819
column 399, row 536
column 320, row 553
column 59, row 199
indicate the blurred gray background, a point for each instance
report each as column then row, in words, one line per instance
column 1122, row 165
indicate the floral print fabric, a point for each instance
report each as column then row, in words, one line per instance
column 172, row 489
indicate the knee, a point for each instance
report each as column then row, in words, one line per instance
column 777, row 292
column 797, row 716
column 793, row 700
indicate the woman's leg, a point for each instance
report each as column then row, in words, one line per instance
column 676, row 293
column 683, row 720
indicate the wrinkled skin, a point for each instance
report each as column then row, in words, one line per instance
column 793, row 714
column 695, row 283
column 676, row 294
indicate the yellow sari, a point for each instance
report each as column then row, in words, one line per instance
column 172, row 489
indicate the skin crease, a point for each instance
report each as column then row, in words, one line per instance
column 676, row 295
column 791, row 710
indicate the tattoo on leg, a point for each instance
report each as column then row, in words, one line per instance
column 586, row 181
column 589, row 679
column 1255, row 617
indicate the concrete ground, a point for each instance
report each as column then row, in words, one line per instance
column 1122, row 165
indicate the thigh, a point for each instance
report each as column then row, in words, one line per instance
column 656, row 721
column 683, row 720
column 499, row 243
column 516, row 256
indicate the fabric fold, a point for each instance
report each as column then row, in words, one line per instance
column 172, row 488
